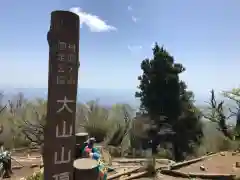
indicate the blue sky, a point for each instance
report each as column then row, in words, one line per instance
column 116, row 35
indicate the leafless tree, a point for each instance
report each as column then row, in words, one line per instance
column 32, row 127
column 217, row 115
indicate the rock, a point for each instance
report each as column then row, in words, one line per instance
column 238, row 164
column 202, row 168
column 222, row 153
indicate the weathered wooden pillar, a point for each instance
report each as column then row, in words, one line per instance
column 81, row 138
column 59, row 135
column 85, row 169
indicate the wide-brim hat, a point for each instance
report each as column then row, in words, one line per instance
column 92, row 139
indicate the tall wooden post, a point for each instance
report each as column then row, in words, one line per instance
column 59, row 135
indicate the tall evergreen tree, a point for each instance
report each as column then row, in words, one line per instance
column 159, row 91
column 188, row 127
column 165, row 99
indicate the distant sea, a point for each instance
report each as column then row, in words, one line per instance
column 105, row 96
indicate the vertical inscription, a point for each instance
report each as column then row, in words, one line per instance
column 59, row 139
column 62, row 176
column 65, row 105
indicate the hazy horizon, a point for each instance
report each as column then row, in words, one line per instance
column 105, row 96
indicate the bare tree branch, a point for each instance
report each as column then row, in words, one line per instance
column 2, row 109
column 217, row 115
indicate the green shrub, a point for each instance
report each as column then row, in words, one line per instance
column 95, row 120
column 36, row 176
column 164, row 153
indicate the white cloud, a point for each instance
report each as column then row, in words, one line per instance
column 134, row 48
column 129, row 8
column 94, row 22
column 134, row 19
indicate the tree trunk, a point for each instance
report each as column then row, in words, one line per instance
column 154, row 152
column 178, row 156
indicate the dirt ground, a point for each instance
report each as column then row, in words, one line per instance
column 166, row 177
column 218, row 164
column 22, row 159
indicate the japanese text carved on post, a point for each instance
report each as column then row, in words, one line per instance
column 59, row 135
